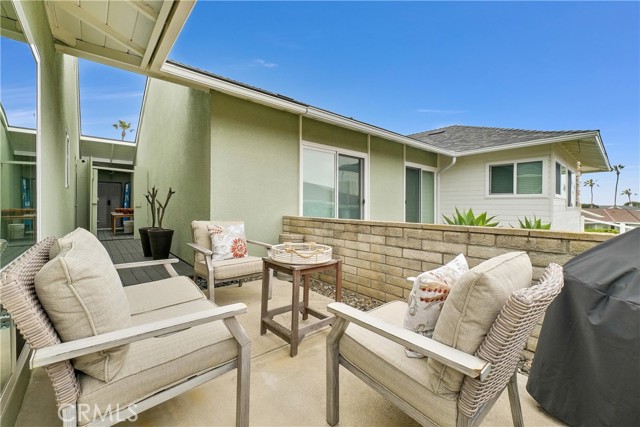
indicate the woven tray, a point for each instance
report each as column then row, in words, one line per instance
column 301, row 253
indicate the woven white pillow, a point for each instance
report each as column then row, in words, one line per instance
column 430, row 290
column 228, row 241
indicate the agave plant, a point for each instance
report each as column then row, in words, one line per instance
column 535, row 224
column 468, row 218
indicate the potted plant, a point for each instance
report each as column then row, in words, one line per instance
column 160, row 238
column 144, row 231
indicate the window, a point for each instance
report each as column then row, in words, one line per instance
column 332, row 184
column 565, row 184
column 419, row 195
column 516, row 178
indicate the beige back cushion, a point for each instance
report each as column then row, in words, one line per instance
column 471, row 308
column 201, row 234
column 82, row 294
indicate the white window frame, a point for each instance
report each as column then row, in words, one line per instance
column 422, row 168
column 564, row 196
column 334, row 150
column 487, row 179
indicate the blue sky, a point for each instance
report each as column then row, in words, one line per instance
column 413, row 66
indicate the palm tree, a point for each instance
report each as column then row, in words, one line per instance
column 125, row 126
column 617, row 169
column 627, row 193
column 591, row 183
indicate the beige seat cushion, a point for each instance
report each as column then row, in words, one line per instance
column 471, row 308
column 156, row 364
column 231, row 268
column 82, row 294
column 387, row 363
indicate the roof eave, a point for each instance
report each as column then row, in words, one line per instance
column 273, row 101
column 554, row 140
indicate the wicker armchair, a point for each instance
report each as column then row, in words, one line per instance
column 177, row 340
column 372, row 348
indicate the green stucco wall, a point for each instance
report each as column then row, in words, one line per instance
column 254, row 165
column 420, row 157
column 387, row 181
column 334, row 136
column 59, row 111
column 173, row 146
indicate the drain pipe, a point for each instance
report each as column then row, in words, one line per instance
column 449, row 166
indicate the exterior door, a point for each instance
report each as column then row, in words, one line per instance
column 109, row 198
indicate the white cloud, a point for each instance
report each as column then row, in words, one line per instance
column 106, row 95
column 21, row 118
column 263, row 63
column 437, row 111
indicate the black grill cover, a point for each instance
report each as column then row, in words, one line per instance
column 586, row 370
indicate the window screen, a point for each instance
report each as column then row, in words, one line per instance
column 529, row 178
column 502, row 179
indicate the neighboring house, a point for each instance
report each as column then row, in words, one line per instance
column 621, row 218
column 515, row 173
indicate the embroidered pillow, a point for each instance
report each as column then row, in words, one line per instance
column 430, row 290
column 228, row 241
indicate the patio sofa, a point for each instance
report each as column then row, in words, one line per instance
column 113, row 351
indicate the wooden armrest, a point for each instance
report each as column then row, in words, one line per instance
column 146, row 263
column 68, row 350
column 204, row 251
column 460, row 361
column 264, row 245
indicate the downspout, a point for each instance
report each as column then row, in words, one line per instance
column 454, row 159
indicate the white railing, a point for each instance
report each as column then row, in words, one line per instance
column 621, row 226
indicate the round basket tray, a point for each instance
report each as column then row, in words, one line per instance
column 301, row 253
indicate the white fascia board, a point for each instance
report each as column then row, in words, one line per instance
column 21, row 130
column 233, row 89
column 336, row 119
column 603, row 152
column 531, row 143
column 296, row 108
column 84, row 138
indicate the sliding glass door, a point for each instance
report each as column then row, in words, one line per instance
column 332, row 184
column 419, row 195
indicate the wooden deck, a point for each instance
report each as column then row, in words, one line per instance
column 123, row 248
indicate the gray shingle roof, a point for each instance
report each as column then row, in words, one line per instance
column 469, row 138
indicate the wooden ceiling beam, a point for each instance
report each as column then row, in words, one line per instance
column 144, row 9
column 156, row 32
column 91, row 20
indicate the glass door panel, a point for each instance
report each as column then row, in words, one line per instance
column 318, row 183
column 350, row 194
column 412, row 195
column 428, row 199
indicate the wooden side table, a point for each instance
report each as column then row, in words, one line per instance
column 294, row 335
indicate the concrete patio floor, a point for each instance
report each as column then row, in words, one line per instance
column 285, row 391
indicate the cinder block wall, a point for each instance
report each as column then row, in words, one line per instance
column 379, row 256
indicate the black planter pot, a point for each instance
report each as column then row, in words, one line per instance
column 144, row 240
column 160, row 242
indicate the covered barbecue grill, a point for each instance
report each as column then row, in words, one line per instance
column 586, row 371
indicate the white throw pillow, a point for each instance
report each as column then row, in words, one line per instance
column 430, row 290
column 82, row 293
column 228, row 241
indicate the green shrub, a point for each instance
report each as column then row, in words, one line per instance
column 633, row 204
column 468, row 218
column 601, row 230
column 535, row 224
column 589, row 206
